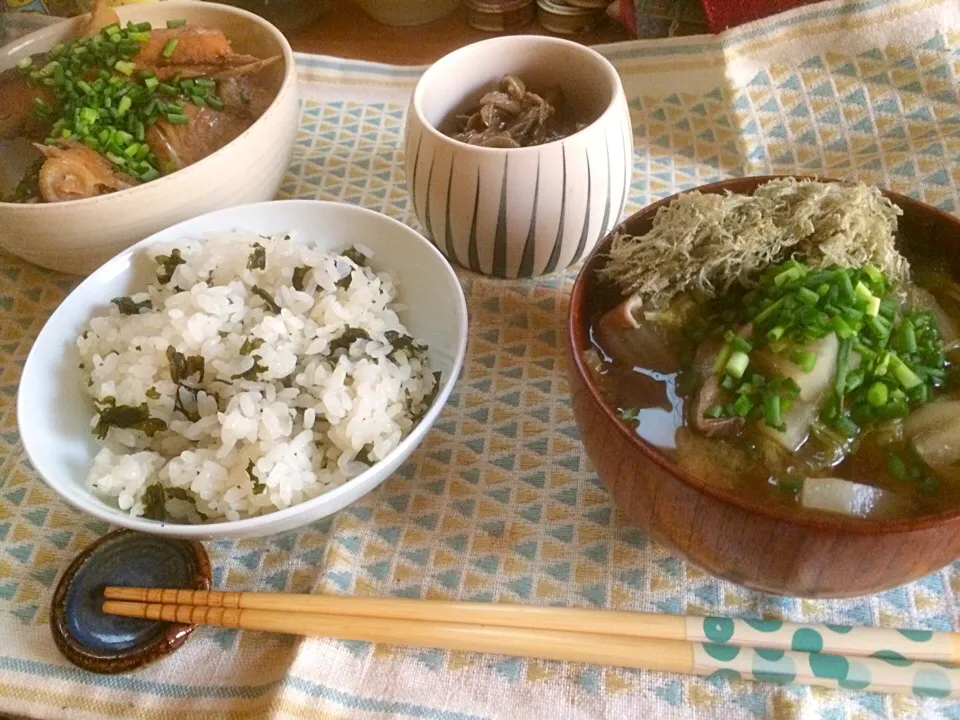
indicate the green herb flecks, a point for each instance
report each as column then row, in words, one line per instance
column 255, row 371
column 185, row 370
column 258, row 487
column 167, row 264
column 347, row 338
column 355, row 256
column 266, row 297
column 127, row 306
column 251, row 344
column 258, row 258
column 155, row 503
column 403, row 343
column 430, row 397
column 364, row 454
column 127, row 417
column 299, row 277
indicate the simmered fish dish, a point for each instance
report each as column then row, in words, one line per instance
column 118, row 106
column 780, row 346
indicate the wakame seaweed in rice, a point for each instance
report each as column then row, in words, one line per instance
column 779, row 346
column 249, row 377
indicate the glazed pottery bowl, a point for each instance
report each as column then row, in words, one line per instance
column 54, row 413
column 727, row 534
column 524, row 211
column 78, row 236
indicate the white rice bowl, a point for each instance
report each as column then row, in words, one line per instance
column 258, row 410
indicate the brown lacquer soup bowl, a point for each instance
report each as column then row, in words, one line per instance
column 729, row 535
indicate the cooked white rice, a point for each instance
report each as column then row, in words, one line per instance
column 288, row 406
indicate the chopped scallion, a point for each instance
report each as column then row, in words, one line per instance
column 907, row 378
column 807, row 296
column 737, row 364
column 805, row 359
column 742, row 405
column 877, row 395
column 846, row 426
column 876, row 277
column 771, row 408
column 862, row 292
column 907, row 337
column 841, row 327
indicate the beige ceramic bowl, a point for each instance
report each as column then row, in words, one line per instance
column 78, row 236
column 525, row 211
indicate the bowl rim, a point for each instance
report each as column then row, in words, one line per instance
column 489, row 44
column 260, row 524
column 577, row 316
column 289, row 80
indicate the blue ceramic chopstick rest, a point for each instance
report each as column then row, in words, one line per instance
column 104, row 643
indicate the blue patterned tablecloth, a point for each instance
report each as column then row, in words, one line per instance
column 500, row 503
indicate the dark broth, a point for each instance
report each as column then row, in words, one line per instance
column 655, row 405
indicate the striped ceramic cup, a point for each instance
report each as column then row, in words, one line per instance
column 526, row 211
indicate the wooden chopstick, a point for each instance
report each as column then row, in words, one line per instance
column 831, row 639
column 655, row 654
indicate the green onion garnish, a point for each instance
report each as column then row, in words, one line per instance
column 908, row 337
column 170, row 46
column 805, row 359
column 771, row 409
column 737, row 364
column 878, row 394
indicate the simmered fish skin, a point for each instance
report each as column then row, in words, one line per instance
column 199, row 52
column 73, row 172
column 177, row 146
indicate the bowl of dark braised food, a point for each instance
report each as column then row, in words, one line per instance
column 519, row 154
column 764, row 374
column 122, row 122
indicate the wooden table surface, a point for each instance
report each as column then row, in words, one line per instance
column 344, row 30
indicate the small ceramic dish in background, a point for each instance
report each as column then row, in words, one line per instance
column 78, row 236
column 525, row 211
column 54, row 412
